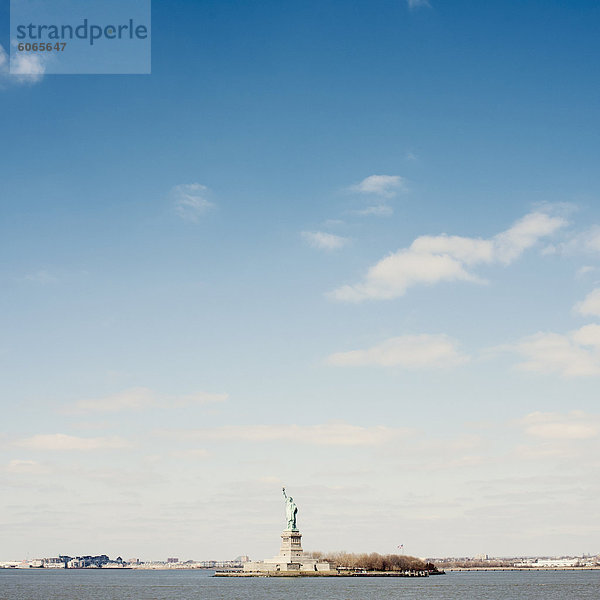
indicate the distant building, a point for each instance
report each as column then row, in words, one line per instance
column 172, row 560
column 558, row 562
column 76, row 563
column 54, row 563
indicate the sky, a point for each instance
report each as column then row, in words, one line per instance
column 346, row 247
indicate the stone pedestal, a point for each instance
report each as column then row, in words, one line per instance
column 291, row 558
column 291, row 546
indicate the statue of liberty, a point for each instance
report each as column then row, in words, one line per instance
column 290, row 512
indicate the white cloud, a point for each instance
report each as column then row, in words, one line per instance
column 510, row 244
column 140, row 398
column 590, row 239
column 330, row 434
column 131, row 399
column 377, row 210
column 21, row 67
column 393, row 275
column 412, row 4
column 324, row 241
column 407, row 351
column 433, row 259
column 469, row 251
column 588, row 335
column 28, row 68
column 190, row 200
column 582, row 271
column 590, row 305
column 380, row 185
column 575, row 354
column 584, row 242
column 61, row 441
column 575, row 425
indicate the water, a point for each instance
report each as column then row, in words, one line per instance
column 44, row 584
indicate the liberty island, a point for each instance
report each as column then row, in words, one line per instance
column 293, row 561
column 291, row 558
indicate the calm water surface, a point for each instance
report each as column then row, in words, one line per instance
column 60, row 584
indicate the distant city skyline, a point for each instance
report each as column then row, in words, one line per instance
column 349, row 248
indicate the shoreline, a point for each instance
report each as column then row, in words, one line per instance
column 533, row 569
column 318, row 574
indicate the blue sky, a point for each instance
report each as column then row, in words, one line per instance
column 349, row 247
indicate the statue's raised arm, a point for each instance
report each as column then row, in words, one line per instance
column 284, row 494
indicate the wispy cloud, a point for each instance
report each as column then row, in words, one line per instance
column 21, row 67
column 61, row 441
column 27, row 68
column 589, row 240
column 140, row 398
column 583, row 271
column 582, row 242
column 433, row 259
column 575, row 425
column 131, row 399
column 575, row 354
column 190, row 200
column 386, row 186
column 323, row 240
column 590, row 305
column 407, row 351
column 330, row 434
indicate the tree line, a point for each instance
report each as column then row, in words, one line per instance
column 374, row 561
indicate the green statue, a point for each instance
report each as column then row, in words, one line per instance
column 290, row 512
